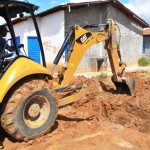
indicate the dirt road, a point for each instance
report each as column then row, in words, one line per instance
column 101, row 119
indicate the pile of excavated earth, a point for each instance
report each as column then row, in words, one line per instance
column 101, row 119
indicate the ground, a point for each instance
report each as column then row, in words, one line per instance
column 102, row 119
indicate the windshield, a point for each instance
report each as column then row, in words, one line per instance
column 13, row 17
column 18, row 17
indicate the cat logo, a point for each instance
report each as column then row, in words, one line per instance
column 83, row 38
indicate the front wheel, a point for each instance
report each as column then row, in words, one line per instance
column 30, row 112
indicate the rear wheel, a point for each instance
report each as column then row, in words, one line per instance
column 30, row 111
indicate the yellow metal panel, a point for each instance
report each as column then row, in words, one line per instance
column 22, row 67
column 79, row 51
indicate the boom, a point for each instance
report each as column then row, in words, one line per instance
column 80, row 40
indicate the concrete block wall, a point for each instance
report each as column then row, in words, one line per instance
column 131, row 35
column 91, row 14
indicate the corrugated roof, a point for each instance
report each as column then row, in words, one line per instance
column 72, row 6
column 146, row 32
column 114, row 3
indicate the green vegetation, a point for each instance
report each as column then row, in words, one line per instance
column 102, row 76
column 143, row 62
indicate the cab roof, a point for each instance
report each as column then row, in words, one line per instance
column 16, row 7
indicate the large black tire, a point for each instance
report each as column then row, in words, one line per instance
column 30, row 111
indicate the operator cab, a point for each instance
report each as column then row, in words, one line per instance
column 12, row 12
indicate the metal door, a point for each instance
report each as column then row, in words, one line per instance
column 34, row 49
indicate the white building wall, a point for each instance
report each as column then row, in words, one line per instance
column 52, row 33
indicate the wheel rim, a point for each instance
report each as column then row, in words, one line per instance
column 36, row 111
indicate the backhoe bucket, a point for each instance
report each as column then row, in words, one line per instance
column 127, row 86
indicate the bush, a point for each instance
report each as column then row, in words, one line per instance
column 143, row 62
column 102, row 76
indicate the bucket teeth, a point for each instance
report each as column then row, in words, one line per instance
column 127, row 86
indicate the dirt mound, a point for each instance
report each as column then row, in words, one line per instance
column 98, row 100
column 129, row 111
column 134, row 112
column 83, row 124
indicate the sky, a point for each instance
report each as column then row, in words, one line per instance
column 139, row 7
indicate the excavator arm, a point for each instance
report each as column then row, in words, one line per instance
column 80, row 40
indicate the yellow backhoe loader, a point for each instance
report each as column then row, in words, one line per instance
column 28, row 90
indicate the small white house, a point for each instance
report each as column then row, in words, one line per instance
column 54, row 23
